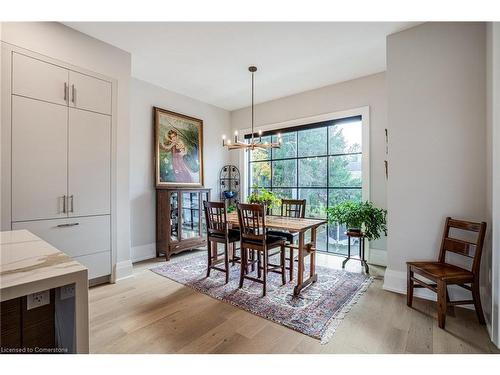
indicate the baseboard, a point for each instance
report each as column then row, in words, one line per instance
column 123, row 270
column 395, row 281
column 377, row 257
column 143, row 252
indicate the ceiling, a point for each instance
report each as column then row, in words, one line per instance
column 209, row 61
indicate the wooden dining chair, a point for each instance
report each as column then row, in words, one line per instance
column 218, row 231
column 290, row 208
column 443, row 274
column 253, row 237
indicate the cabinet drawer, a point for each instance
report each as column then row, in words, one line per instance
column 91, row 234
column 89, row 93
column 37, row 79
column 98, row 264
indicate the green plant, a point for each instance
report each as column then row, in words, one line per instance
column 360, row 215
column 231, row 208
column 265, row 197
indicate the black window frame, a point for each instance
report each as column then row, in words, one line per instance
column 296, row 189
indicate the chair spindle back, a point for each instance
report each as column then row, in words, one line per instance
column 216, row 218
column 252, row 219
column 463, row 247
column 293, row 208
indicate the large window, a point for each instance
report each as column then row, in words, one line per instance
column 318, row 162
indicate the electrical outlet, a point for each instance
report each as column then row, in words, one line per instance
column 38, row 299
column 67, row 291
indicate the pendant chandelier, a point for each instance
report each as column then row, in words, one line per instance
column 255, row 142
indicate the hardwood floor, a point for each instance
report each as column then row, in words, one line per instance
column 149, row 313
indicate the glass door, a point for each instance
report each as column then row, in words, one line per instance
column 190, row 220
column 174, row 216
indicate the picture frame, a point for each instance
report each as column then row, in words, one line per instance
column 178, row 149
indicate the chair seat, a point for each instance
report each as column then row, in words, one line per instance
column 234, row 235
column 289, row 237
column 440, row 271
column 271, row 241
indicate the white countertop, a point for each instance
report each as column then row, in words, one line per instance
column 27, row 259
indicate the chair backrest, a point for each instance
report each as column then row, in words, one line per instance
column 252, row 219
column 470, row 249
column 293, row 208
column 216, row 218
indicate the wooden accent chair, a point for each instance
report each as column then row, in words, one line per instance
column 218, row 232
column 290, row 208
column 253, row 236
column 444, row 274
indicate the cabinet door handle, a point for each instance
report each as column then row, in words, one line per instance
column 73, row 94
column 71, row 203
column 65, row 92
column 64, row 204
column 67, row 225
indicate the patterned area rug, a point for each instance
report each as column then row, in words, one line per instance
column 316, row 312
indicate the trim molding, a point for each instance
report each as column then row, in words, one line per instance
column 377, row 257
column 143, row 252
column 123, row 270
column 395, row 281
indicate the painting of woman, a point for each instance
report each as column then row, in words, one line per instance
column 178, row 141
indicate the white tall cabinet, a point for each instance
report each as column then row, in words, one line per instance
column 61, row 158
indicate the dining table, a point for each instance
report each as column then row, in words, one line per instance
column 297, row 226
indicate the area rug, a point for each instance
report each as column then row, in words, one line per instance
column 316, row 312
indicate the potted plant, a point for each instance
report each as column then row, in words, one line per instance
column 265, row 197
column 359, row 216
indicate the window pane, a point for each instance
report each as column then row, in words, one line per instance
column 312, row 142
column 288, row 148
column 345, row 171
column 312, row 172
column 315, row 202
column 285, row 173
column 260, row 174
column 321, row 243
column 345, row 138
column 283, row 194
column 336, row 196
column 260, row 154
column 337, row 240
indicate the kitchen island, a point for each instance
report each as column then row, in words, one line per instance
column 30, row 265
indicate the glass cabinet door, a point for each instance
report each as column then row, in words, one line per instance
column 190, row 221
column 174, row 216
column 204, row 197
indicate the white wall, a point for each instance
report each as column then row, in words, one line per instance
column 436, row 82
column 493, row 164
column 367, row 91
column 216, row 121
column 63, row 43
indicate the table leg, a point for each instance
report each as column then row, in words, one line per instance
column 312, row 253
column 313, row 277
column 300, row 267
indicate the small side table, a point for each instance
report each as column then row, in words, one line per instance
column 361, row 237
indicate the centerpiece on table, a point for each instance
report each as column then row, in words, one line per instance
column 265, row 197
column 359, row 217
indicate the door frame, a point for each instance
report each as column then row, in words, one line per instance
column 6, row 51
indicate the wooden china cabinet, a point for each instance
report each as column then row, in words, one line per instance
column 180, row 222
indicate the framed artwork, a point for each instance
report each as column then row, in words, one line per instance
column 178, row 149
